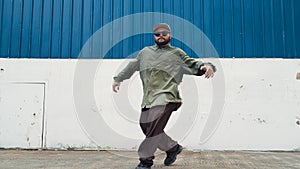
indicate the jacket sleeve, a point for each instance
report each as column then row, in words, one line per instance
column 189, row 65
column 128, row 71
column 192, row 66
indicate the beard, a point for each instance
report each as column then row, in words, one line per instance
column 166, row 41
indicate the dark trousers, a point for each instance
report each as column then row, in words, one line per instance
column 153, row 121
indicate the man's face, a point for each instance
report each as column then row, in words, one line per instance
column 162, row 37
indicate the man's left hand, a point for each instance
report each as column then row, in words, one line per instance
column 209, row 72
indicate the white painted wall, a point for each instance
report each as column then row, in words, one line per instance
column 257, row 102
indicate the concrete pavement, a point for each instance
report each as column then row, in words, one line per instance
column 45, row 159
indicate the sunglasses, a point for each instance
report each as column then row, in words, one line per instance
column 164, row 33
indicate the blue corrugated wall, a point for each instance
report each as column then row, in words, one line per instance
column 237, row 28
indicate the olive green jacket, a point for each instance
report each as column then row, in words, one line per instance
column 161, row 71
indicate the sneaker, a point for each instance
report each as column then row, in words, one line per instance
column 142, row 166
column 171, row 157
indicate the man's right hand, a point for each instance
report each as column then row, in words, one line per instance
column 116, row 86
